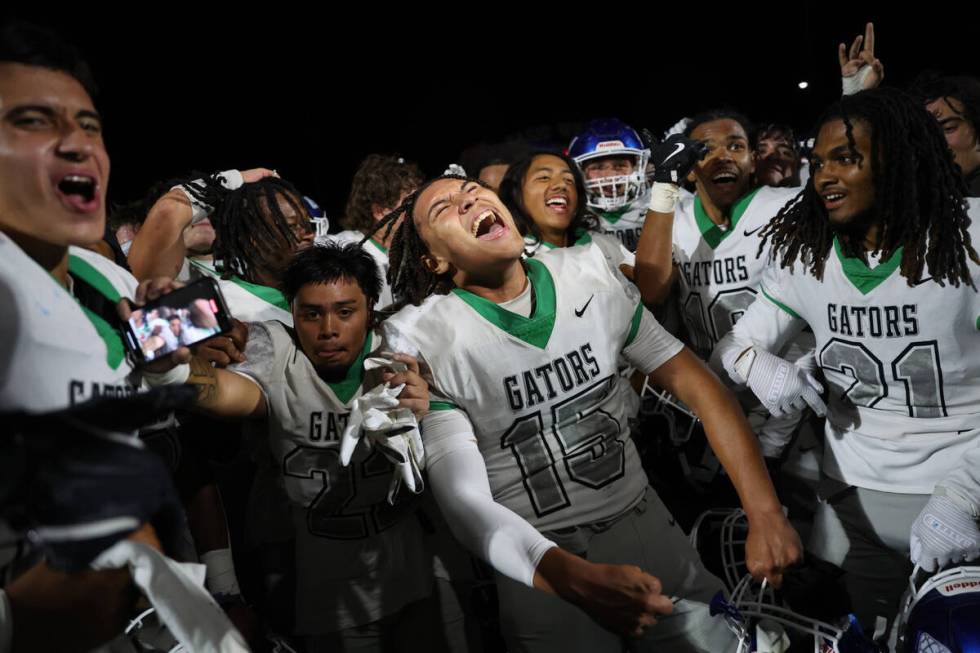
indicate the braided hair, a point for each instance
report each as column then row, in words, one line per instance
column 411, row 282
column 918, row 199
column 250, row 227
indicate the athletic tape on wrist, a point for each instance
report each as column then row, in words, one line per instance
column 663, row 197
column 855, row 83
column 174, row 376
column 220, row 576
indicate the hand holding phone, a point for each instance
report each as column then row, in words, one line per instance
column 173, row 320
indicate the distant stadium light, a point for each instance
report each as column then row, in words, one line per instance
column 803, row 85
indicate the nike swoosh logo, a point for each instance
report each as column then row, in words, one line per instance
column 679, row 146
column 749, row 233
column 578, row 313
column 922, row 281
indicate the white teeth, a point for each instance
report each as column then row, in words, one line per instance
column 480, row 218
column 833, row 197
column 79, row 179
column 557, row 201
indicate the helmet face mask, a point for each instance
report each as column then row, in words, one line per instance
column 611, row 138
column 755, row 612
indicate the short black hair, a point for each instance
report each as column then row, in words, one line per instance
column 721, row 113
column 512, row 194
column 32, row 45
column 330, row 262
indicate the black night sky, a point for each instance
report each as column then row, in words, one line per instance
column 310, row 92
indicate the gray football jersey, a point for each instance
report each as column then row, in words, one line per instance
column 358, row 558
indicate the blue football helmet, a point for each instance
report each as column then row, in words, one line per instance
column 942, row 613
column 611, row 137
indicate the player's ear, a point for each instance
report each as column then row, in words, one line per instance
column 378, row 211
column 435, row 264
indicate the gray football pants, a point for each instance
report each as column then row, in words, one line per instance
column 536, row 621
column 866, row 533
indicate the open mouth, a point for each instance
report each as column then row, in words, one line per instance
column 725, row 179
column 833, row 199
column 488, row 226
column 558, row 204
column 79, row 191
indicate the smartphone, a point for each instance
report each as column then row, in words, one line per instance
column 181, row 318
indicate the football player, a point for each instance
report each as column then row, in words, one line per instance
column 363, row 570
column 527, row 431
column 875, row 256
column 613, row 159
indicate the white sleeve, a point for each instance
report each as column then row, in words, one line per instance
column 260, row 356
column 458, row 477
column 648, row 344
column 6, row 623
column 766, row 324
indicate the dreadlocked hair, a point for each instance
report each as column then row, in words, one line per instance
column 250, row 227
column 918, row 196
column 410, row 281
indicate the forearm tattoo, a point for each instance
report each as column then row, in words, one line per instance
column 205, row 378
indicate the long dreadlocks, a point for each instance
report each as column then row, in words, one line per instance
column 250, row 227
column 411, row 282
column 918, row 202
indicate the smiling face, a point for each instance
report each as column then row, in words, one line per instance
column 331, row 322
column 466, row 228
column 842, row 175
column 54, row 168
column 549, row 196
column 725, row 173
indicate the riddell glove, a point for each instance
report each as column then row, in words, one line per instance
column 943, row 533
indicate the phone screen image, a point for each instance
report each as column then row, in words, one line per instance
column 180, row 319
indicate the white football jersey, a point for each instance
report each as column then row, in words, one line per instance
column 380, row 256
column 248, row 302
column 358, row 557
column 902, row 363
column 626, row 223
column 719, row 269
column 541, row 392
column 53, row 352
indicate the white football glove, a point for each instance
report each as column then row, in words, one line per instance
column 376, row 417
column 781, row 386
column 943, row 533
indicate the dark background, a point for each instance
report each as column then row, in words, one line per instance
column 310, row 92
